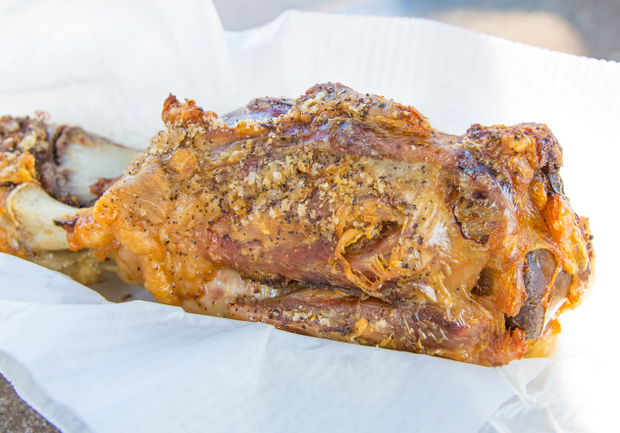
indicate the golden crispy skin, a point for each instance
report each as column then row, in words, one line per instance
column 347, row 216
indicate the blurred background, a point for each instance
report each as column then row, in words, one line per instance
column 582, row 27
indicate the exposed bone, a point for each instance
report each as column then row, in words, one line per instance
column 85, row 158
column 33, row 212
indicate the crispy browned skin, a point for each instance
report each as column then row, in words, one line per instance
column 347, row 216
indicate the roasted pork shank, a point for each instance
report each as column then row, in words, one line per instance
column 346, row 216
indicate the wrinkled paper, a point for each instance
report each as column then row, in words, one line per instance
column 89, row 363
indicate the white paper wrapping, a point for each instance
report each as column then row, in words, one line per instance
column 91, row 365
column 108, row 66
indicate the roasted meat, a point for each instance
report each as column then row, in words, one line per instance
column 346, row 216
column 338, row 215
column 46, row 171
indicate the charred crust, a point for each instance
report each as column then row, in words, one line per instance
column 555, row 181
column 67, row 223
